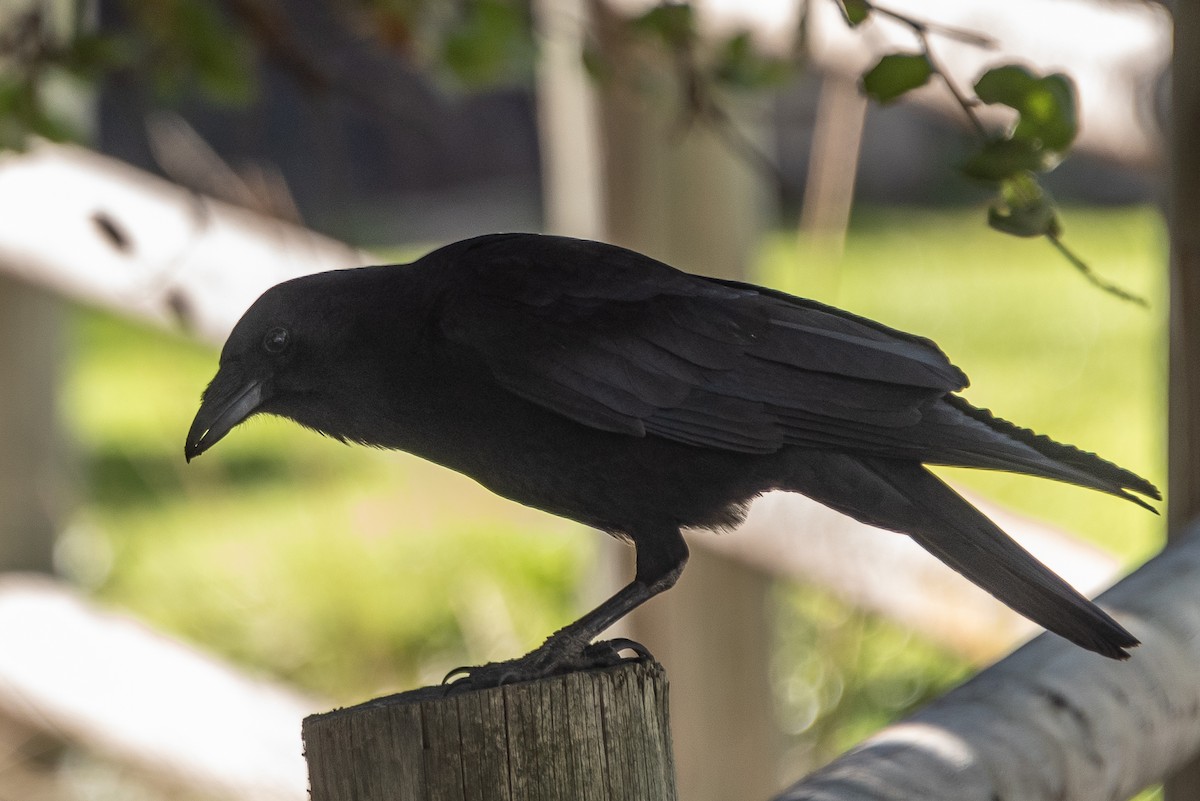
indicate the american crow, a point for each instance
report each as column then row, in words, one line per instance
column 609, row 388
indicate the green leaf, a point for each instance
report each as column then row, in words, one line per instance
column 673, row 22
column 24, row 112
column 1024, row 209
column 1048, row 113
column 1004, row 158
column 188, row 44
column 489, row 44
column 1045, row 105
column 740, row 65
column 855, row 12
column 91, row 55
column 15, row 109
column 221, row 60
column 896, row 74
column 1007, row 85
column 595, row 64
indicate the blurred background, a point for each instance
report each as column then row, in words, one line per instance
column 166, row 161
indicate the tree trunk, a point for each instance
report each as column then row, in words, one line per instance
column 1183, row 483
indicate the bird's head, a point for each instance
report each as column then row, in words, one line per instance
column 282, row 357
column 256, row 364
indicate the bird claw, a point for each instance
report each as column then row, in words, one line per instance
column 482, row 677
column 607, row 653
column 551, row 659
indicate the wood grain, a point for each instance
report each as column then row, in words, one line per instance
column 599, row 734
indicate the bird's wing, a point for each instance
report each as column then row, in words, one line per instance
column 623, row 343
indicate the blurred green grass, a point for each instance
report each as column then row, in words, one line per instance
column 353, row 572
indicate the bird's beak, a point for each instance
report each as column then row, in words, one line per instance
column 228, row 401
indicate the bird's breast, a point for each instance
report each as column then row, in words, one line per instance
column 458, row 416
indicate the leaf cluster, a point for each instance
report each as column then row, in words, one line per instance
column 1046, row 122
column 213, row 49
column 485, row 43
column 732, row 62
column 181, row 45
column 1045, row 128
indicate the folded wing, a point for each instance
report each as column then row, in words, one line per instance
column 623, row 343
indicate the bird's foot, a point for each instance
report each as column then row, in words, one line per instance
column 556, row 656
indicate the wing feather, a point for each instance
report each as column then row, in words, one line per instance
column 623, row 343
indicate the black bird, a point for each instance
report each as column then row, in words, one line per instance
column 601, row 385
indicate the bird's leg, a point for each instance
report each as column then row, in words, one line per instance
column 660, row 560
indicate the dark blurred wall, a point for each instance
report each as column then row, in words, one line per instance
column 370, row 149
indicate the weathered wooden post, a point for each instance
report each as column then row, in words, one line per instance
column 597, row 734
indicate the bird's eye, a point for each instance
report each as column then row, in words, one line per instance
column 276, row 340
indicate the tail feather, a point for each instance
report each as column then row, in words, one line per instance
column 905, row 497
column 984, row 440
